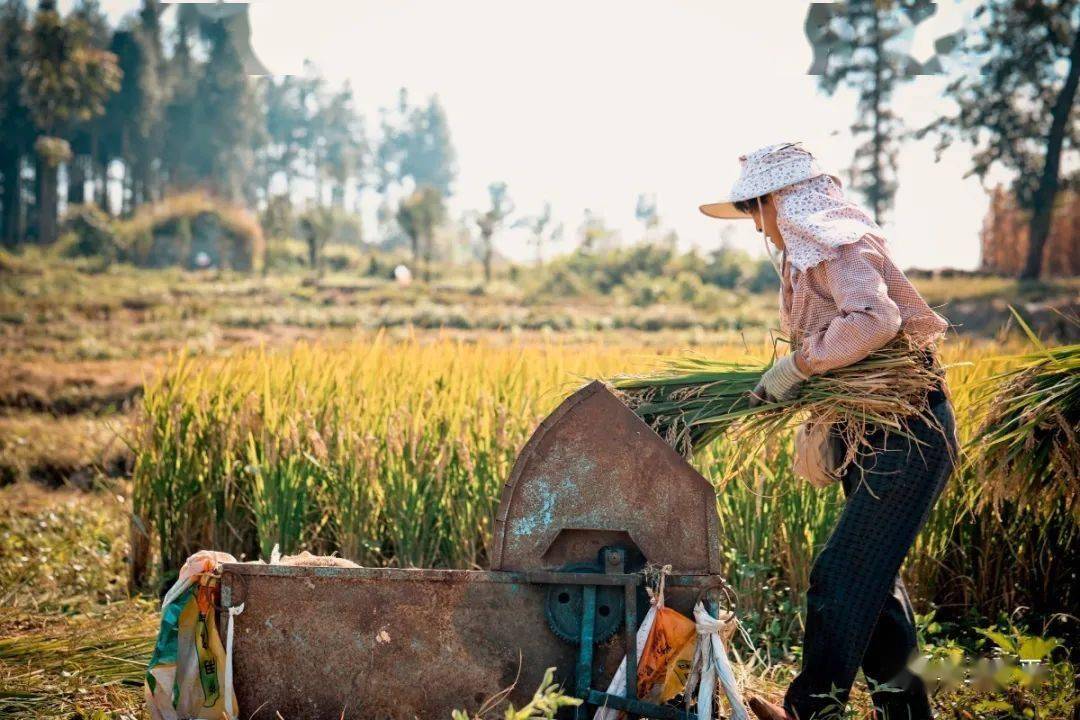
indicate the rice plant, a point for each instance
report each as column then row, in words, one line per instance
column 393, row 453
column 1028, row 443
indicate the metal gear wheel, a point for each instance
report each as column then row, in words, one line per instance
column 563, row 608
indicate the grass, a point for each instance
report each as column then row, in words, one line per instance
column 73, row 644
column 80, row 310
column 66, row 449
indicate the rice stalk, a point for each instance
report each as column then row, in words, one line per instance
column 690, row 402
column 1027, row 448
column 111, row 660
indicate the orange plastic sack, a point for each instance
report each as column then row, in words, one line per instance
column 670, row 646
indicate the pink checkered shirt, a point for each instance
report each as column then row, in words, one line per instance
column 840, row 310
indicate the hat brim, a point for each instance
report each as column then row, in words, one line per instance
column 724, row 211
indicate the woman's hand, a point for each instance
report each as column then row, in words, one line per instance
column 780, row 382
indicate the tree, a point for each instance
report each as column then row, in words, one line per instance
column 132, row 128
column 341, row 146
column 1017, row 106
column 491, row 220
column 66, row 80
column 288, row 127
column 416, row 146
column 316, row 225
column 856, row 39
column 646, row 213
column 16, row 127
column 418, row 215
column 84, row 136
column 146, row 126
column 181, row 113
column 594, row 233
column 230, row 123
column 115, row 125
column 541, row 230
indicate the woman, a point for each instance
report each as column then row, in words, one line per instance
column 842, row 298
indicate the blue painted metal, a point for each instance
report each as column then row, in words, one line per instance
column 630, row 640
column 638, row 707
column 585, row 647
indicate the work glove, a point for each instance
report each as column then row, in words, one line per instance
column 780, row 382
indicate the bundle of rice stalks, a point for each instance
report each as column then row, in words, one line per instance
column 692, row 401
column 1027, row 447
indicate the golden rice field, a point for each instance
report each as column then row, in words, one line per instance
column 394, row 453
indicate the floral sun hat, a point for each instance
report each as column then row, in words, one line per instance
column 764, row 171
column 812, row 213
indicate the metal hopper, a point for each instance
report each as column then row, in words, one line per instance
column 594, row 495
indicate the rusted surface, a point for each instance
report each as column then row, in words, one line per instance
column 395, row 644
column 594, row 468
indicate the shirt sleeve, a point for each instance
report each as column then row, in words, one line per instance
column 868, row 318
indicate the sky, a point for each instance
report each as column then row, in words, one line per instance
column 589, row 104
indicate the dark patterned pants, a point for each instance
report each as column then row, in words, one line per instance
column 857, row 609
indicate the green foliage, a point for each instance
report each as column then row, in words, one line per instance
column 15, row 121
column 418, row 215
column 491, row 220
column 1016, row 104
column 229, row 123
column 316, row 225
column 540, row 228
column 86, row 231
column 341, row 149
column 1005, row 103
column 134, row 124
column 1025, row 676
column 66, row 78
column 182, row 112
column 310, row 130
column 859, row 56
column 650, row 273
column 416, row 147
column 344, row 258
column 546, row 701
column 285, row 254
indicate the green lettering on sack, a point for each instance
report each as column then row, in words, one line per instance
column 208, row 677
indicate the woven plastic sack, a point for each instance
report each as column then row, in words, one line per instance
column 671, row 638
column 188, row 675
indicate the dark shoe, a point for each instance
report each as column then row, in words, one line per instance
column 766, row 710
